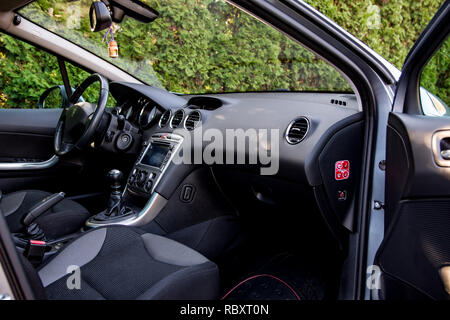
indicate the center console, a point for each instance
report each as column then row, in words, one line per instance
column 139, row 198
column 152, row 163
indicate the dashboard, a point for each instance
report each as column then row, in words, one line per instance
column 149, row 110
column 313, row 132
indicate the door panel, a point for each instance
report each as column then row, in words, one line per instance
column 27, row 134
column 417, row 242
column 416, row 246
column 37, row 121
column 427, row 178
column 23, row 147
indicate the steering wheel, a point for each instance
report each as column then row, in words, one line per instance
column 78, row 122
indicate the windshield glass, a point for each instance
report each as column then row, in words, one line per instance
column 195, row 46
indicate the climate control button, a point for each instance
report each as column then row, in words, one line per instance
column 141, row 178
column 148, row 185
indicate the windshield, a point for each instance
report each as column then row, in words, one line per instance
column 195, row 46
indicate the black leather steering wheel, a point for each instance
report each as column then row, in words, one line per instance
column 77, row 123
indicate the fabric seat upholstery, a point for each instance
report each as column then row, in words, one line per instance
column 64, row 218
column 119, row 262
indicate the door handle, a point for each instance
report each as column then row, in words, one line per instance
column 441, row 148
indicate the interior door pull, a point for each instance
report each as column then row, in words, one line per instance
column 441, row 148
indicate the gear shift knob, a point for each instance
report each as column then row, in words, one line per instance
column 115, row 178
column 115, row 199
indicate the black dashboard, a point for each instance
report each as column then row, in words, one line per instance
column 314, row 132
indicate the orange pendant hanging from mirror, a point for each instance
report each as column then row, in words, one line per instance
column 113, row 48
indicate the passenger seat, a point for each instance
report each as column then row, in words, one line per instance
column 119, row 262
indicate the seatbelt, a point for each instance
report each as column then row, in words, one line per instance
column 65, row 77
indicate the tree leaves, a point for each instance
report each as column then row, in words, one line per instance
column 201, row 46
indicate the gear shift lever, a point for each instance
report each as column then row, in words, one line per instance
column 116, row 208
column 115, row 199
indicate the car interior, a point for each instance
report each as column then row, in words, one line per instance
column 231, row 215
column 94, row 185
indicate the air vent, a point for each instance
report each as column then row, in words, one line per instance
column 177, row 118
column 297, row 130
column 192, row 120
column 338, row 102
column 165, row 118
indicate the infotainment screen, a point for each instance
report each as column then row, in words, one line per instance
column 155, row 155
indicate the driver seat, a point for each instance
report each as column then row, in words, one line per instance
column 63, row 218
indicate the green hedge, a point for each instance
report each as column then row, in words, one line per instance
column 401, row 23
column 209, row 46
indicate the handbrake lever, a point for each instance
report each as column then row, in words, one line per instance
column 42, row 206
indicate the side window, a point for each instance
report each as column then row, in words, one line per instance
column 77, row 75
column 435, row 83
column 22, row 67
column 26, row 72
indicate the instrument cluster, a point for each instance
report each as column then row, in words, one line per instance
column 140, row 111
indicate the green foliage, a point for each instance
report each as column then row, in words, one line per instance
column 24, row 73
column 436, row 75
column 201, row 46
column 401, row 23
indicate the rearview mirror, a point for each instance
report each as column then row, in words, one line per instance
column 103, row 13
column 99, row 16
column 132, row 8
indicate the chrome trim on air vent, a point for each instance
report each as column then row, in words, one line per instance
column 178, row 117
column 298, row 127
column 191, row 124
column 165, row 118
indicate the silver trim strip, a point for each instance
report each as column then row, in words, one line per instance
column 6, row 166
column 157, row 138
column 153, row 207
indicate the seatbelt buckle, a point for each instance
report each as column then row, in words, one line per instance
column 35, row 251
